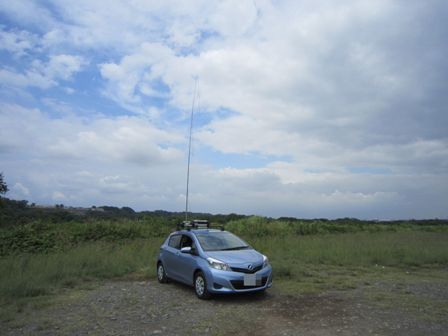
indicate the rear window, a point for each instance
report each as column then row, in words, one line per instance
column 174, row 241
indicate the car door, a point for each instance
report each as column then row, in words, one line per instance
column 172, row 252
column 186, row 262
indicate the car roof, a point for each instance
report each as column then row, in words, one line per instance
column 197, row 231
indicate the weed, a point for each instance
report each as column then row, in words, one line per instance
column 39, row 258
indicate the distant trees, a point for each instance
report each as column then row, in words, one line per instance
column 127, row 210
column 3, row 186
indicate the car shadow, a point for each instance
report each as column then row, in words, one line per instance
column 228, row 298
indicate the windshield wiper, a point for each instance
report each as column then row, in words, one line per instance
column 236, row 248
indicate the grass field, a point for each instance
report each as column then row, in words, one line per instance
column 323, row 262
column 301, row 263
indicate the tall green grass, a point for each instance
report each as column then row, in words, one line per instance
column 39, row 258
column 359, row 249
column 304, row 264
column 42, row 236
column 36, row 274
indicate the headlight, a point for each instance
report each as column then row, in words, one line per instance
column 265, row 261
column 219, row 265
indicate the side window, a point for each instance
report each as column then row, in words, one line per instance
column 175, row 241
column 186, row 241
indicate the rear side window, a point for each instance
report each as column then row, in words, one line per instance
column 174, row 241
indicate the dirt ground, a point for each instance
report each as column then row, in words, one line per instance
column 149, row 308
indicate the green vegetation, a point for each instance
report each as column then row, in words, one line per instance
column 321, row 262
column 358, row 249
column 50, row 237
column 256, row 226
column 36, row 274
column 3, row 185
column 14, row 213
column 39, row 257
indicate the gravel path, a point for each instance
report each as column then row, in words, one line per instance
column 149, row 308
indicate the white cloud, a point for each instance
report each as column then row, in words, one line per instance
column 20, row 190
column 124, row 139
column 344, row 102
column 58, row 196
column 30, row 78
column 29, row 13
column 63, row 66
column 127, row 25
column 17, row 42
column 89, row 161
column 132, row 78
column 127, row 161
column 336, row 194
column 43, row 75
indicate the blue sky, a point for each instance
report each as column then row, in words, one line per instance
column 306, row 108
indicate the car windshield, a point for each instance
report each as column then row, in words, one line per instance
column 220, row 241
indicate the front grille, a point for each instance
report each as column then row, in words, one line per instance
column 239, row 284
column 246, row 270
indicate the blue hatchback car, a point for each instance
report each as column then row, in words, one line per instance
column 212, row 261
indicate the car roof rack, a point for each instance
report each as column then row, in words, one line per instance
column 198, row 224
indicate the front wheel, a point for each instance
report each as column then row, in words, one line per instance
column 161, row 274
column 200, row 286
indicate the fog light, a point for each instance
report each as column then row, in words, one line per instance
column 216, row 286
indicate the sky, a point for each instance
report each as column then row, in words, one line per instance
column 308, row 109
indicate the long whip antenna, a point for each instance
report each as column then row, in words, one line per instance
column 189, row 148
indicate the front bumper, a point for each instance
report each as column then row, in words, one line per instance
column 233, row 282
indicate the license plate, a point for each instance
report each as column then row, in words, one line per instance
column 250, row 280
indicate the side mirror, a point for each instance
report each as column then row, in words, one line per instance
column 186, row 249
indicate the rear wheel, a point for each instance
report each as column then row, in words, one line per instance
column 200, row 286
column 161, row 274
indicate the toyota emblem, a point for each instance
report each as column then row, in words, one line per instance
column 249, row 266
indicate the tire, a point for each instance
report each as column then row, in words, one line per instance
column 161, row 274
column 200, row 286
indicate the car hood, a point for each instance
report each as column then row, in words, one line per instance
column 238, row 257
